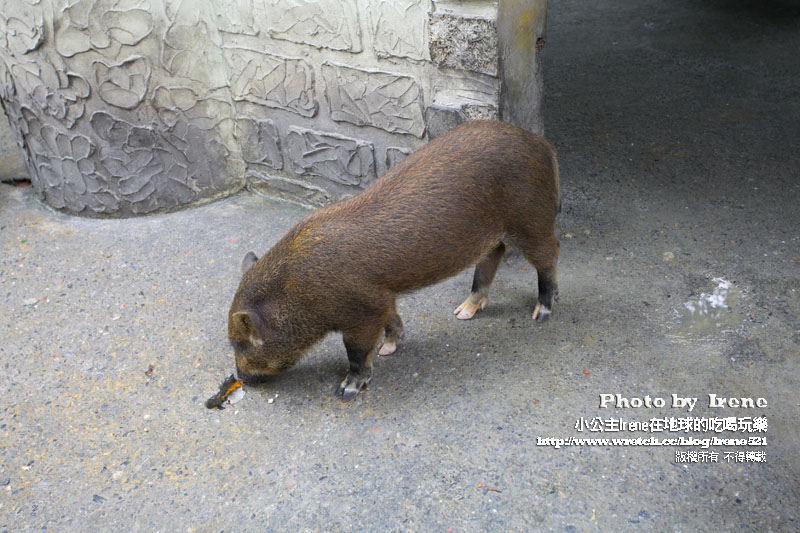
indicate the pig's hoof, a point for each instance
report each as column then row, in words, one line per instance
column 540, row 313
column 350, row 387
column 387, row 348
column 467, row 310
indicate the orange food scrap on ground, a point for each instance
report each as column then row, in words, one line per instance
column 235, row 385
column 585, row 372
column 225, row 390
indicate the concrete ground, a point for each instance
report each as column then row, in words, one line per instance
column 677, row 126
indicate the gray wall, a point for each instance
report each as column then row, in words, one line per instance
column 12, row 165
column 127, row 107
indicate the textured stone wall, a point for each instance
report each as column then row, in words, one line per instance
column 127, row 107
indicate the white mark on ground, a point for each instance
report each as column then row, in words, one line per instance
column 709, row 315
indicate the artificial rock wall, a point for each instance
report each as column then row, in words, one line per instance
column 128, row 107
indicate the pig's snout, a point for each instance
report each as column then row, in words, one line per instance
column 250, row 378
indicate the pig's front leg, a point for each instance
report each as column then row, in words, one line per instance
column 360, row 345
column 394, row 334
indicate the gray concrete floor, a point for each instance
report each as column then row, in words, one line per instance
column 677, row 126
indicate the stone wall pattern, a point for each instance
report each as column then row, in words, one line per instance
column 464, row 43
column 129, row 107
column 341, row 159
column 392, row 102
column 271, row 80
column 332, row 24
column 395, row 27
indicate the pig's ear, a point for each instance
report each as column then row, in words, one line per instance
column 248, row 325
column 248, row 262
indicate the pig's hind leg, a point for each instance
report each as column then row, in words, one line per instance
column 484, row 274
column 542, row 252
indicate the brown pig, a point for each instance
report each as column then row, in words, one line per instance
column 450, row 205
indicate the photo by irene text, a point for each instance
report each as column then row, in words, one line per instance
column 729, row 437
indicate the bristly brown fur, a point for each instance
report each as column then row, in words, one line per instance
column 446, row 207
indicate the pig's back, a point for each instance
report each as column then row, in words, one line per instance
column 441, row 209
